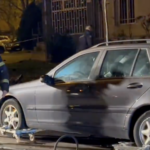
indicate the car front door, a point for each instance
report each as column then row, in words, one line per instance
column 66, row 105
column 116, row 88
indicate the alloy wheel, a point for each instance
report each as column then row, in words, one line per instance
column 10, row 117
column 144, row 132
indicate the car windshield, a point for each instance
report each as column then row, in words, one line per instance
column 77, row 69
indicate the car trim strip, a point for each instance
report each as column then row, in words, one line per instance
column 2, row 64
column 5, row 81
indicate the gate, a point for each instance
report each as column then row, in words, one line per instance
column 70, row 15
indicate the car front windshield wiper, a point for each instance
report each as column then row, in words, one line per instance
column 59, row 81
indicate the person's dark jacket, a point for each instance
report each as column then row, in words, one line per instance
column 85, row 41
column 4, row 76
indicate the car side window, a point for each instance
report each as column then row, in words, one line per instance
column 118, row 63
column 78, row 69
column 142, row 65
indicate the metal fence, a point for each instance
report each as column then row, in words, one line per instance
column 69, row 14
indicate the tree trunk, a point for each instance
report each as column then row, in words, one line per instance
column 23, row 3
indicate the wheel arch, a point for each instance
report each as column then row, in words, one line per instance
column 15, row 99
column 135, row 116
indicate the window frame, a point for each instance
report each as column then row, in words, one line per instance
column 119, row 49
column 60, row 15
column 148, row 54
column 70, row 60
column 117, row 12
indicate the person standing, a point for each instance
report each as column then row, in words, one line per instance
column 86, row 40
column 4, row 78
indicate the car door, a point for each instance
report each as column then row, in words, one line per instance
column 114, row 88
column 66, row 105
column 140, row 76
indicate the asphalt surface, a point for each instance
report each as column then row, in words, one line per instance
column 47, row 143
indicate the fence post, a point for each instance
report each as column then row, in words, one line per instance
column 47, row 25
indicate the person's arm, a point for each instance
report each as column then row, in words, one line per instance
column 4, row 77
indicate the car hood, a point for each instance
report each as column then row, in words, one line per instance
column 25, row 85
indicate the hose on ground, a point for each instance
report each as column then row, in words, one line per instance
column 66, row 136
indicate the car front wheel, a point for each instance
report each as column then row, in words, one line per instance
column 142, row 130
column 12, row 115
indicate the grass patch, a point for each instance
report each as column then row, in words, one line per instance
column 30, row 69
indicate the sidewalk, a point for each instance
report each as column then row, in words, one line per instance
column 10, row 143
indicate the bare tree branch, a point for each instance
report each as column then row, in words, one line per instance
column 27, row 3
column 11, row 11
column 9, row 15
column 23, row 3
column 14, row 5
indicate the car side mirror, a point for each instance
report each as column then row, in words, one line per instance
column 48, row 80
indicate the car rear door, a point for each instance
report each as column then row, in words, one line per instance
column 139, row 82
column 117, row 89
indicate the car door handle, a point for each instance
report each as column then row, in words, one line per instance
column 135, row 85
column 74, row 94
column 71, row 93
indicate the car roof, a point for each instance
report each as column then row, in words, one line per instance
column 112, row 47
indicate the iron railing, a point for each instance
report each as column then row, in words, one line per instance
column 70, row 15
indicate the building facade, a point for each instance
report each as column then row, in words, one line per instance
column 121, row 16
column 128, row 18
column 75, row 15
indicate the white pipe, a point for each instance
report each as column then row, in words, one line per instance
column 106, row 24
column 45, row 11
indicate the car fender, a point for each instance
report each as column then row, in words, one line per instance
column 26, row 99
column 142, row 102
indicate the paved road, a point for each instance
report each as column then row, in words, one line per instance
column 48, row 144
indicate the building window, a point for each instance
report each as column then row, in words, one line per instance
column 127, row 12
column 70, row 15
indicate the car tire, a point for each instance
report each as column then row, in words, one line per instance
column 12, row 115
column 141, row 125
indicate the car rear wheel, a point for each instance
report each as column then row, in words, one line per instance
column 142, row 130
column 12, row 115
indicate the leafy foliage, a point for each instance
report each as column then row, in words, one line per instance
column 63, row 46
column 30, row 22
